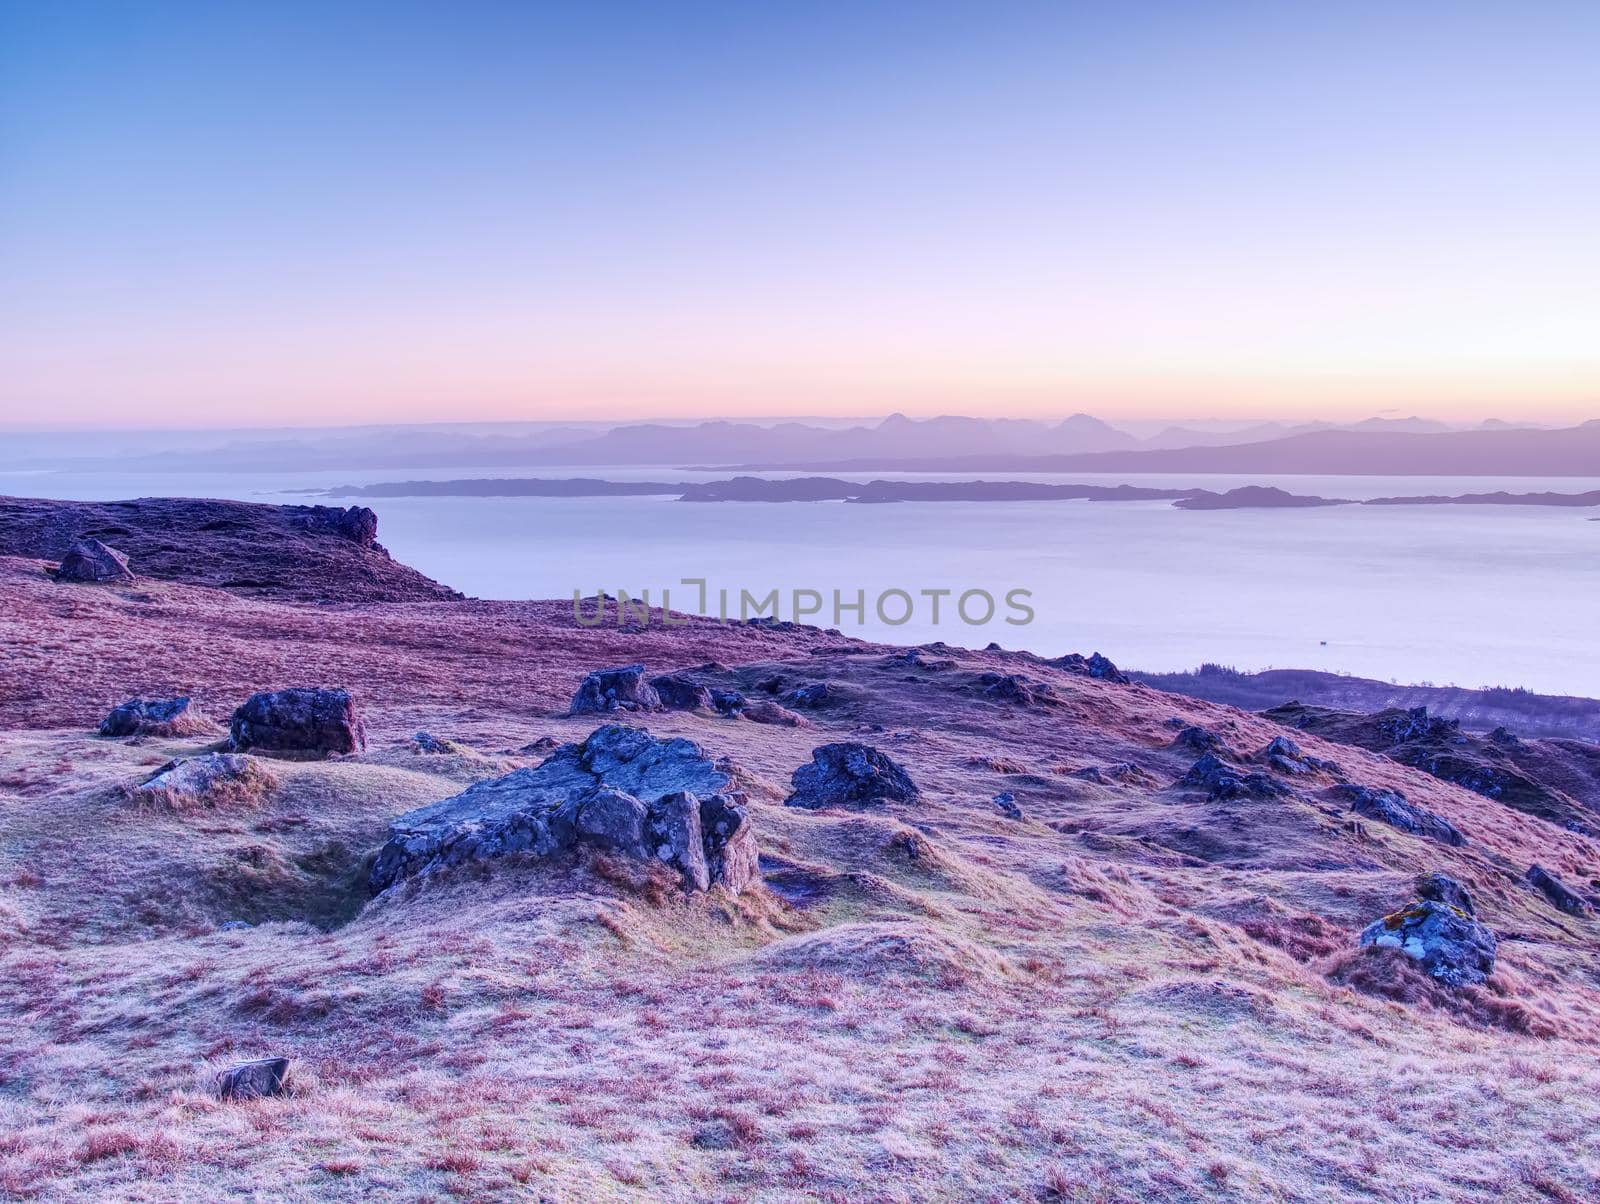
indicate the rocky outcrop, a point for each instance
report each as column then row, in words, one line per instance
column 1560, row 895
column 1285, row 756
column 621, row 689
column 1391, row 807
column 1448, row 943
column 89, row 560
column 621, row 791
column 212, row 780
column 158, row 717
column 298, row 722
column 1096, row 666
column 1017, row 689
column 1224, row 781
column 1528, row 775
column 850, row 775
column 254, row 1080
column 680, row 692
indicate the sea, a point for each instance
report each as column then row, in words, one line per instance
column 1472, row 596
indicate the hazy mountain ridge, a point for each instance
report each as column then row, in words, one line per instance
column 897, row 441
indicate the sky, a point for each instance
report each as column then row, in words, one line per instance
column 295, row 213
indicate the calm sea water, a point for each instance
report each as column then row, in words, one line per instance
column 1471, row 596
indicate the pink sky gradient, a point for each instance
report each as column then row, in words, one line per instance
column 232, row 217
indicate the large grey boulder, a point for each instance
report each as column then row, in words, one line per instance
column 158, row 717
column 621, row 689
column 1448, row 943
column 850, row 775
column 621, row 790
column 91, row 560
column 303, row 722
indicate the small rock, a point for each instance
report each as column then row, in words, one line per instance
column 817, row 694
column 1198, row 739
column 1561, row 896
column 850, row 775
column 254, row 1080
column 89, row 560
column 234, row 926
column 431, row 745
column 715, row 1135
column 315, row 722
column 621, row 689
column 764, row 710
column 1442, row 888
column 1007, row 803
column 165, row 717
column 728, row 702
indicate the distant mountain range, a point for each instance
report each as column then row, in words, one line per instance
column 1495, row 451
column 1082, row 442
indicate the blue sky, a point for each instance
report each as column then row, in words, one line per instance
column 305, row 213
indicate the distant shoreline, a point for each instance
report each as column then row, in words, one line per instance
column 825, row 489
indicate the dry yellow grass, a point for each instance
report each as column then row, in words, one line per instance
column 1127, row 995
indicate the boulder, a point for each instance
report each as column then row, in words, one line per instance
column 621, row 790
column 764, row 710
column 205, row 781
column 158, row 717
column 312, row 722
column 1390, row 807
column 91, row 560
column 1449, row 943
column 1285, row 756
column 817, row 694
column 850, row 775
column 621, row 689
column 1442, row 888
column 732, row 856
column 1562, row 896
column 728, row 702
column 1197, row 739
column 1006, row 803
column 680, row 692
column 1223, row 781
column 254, row 1080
